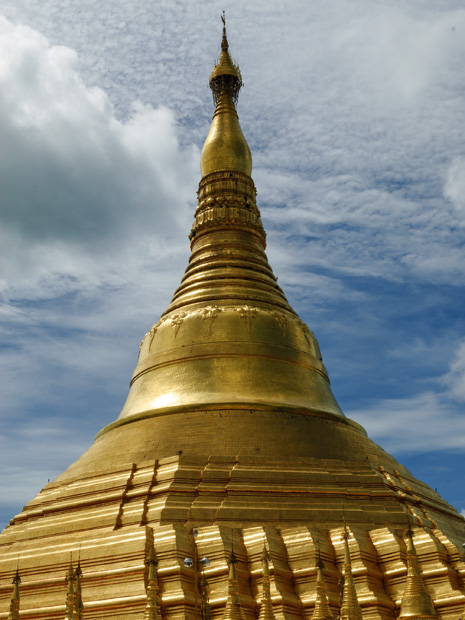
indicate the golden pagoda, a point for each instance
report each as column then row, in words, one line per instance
column 231, row 441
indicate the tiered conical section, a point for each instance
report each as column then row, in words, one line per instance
column 231, row 431
column 266, row 607
column 321, row 611
column 416, row 602
column 70, row 595
column 14, row 603
column 78, row 604
column 350, row 608
column 229, row 341
column 233, row 609
column 229, row 336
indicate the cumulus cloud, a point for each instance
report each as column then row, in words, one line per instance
column 72, row 174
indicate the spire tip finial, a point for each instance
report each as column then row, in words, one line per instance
column 224, row 42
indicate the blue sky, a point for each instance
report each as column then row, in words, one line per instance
column 355, row 114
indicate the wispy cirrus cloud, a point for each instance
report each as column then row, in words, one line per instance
column 454, row 380
column 418, row 424
column 432, row 420
column 454, row 188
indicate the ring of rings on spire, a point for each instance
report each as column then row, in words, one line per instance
column 227, row 199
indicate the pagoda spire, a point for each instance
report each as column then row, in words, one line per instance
column 14, row 603
column 70, row 594
column 151, row 608
column 225, row 147
column 416, row 602
column 321, row 610
column 229, row 330
column 350, row 607
column 233, row 609
column 266, row 607
column 78, row 606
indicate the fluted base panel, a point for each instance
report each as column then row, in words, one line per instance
column 292, row 507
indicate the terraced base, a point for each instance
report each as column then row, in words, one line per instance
column 111, row 520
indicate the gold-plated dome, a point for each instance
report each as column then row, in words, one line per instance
column 229, row 335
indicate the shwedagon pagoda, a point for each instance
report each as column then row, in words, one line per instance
column 232, row 486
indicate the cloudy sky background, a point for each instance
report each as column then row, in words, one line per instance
column 355, row 114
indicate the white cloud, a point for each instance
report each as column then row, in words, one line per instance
column 74, row 178
column 455, row 378
column 432, row 420
column 410, row 51
column 416, row 424
column 44, row 449
column 454, row 188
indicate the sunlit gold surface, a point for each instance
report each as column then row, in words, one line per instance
column 266, row 604
column 321, row 610
column 229, row 334
column 225, row 147
column 15, row 598
column 294, row 507
column 152, row 605
column 233, row 610
column 416, row 602
column 231, row 427
column 350, row 607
